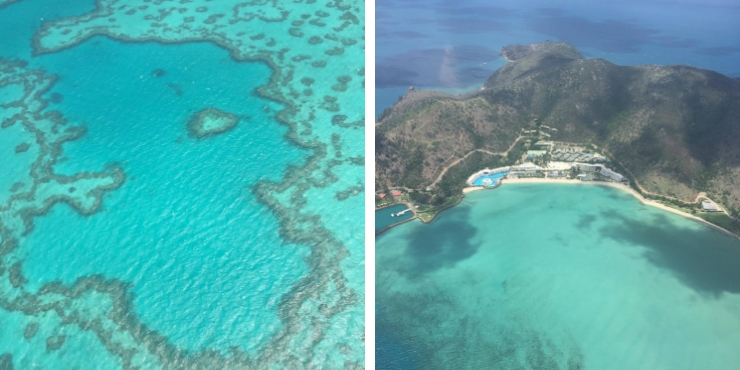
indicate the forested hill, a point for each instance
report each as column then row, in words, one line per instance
column 675, row 128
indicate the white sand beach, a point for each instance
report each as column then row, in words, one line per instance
column 472, row 188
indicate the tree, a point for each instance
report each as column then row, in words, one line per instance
column 438, row 200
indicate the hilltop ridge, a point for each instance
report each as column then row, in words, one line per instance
column 529, row 59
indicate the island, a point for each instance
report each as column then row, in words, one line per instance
column 209, row 122
column 666, row 134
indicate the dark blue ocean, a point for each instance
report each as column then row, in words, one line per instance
column 454, row 46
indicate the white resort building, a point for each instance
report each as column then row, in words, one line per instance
column 709, row 206
column 601, row 169
column 611, row 174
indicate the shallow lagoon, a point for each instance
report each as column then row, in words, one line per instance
column 558, row 276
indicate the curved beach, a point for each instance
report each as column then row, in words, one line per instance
column 619, row 186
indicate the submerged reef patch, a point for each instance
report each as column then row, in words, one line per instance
column 22, row 147
column 6, row 360
column 31, row 330
column 209, row 122
column 55, row 342
column 37, row 191
column 56, row 98
column 4, row 3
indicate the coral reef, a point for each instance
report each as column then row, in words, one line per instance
column 317, row 41
column 209, row 122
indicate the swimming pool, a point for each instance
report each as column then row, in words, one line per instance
column 494, row 177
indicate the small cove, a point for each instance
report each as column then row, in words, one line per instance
column 384, row 219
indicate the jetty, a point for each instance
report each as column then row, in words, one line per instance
column 400, row 213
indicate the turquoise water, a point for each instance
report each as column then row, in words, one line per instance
column 384, row 219
column 179, row 217
column 495, row 177
column 143, row 246
column 561, row 277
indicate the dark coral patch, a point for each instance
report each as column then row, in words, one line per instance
column 31, row 330
column 56, row 98
column 22, row 147
column 55, row 343
column 6, row 361
column 209, row 122
column 300, row 58
column 335, row 51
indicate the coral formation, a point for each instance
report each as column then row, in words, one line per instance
column 209, row 122
column 317, row 41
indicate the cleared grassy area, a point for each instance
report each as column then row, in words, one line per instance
column 427, row 213
column 426, row 216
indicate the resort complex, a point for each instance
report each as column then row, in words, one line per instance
column 543, row 161
column 554, row 161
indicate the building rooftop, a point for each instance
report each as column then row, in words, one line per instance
column 709, row 206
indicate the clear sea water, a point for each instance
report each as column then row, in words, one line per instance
column 556, row 276
column 455, row 47
column 204, row 261
column 185, row 218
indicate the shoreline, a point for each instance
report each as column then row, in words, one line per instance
column 619, row 186
column 395, row 204
column 623, row 187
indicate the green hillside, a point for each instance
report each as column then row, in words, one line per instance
column 675, row 128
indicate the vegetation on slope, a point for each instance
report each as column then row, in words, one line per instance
column 675, row 128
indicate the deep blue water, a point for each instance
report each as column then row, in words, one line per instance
column 455, row 46
column 390, row 352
